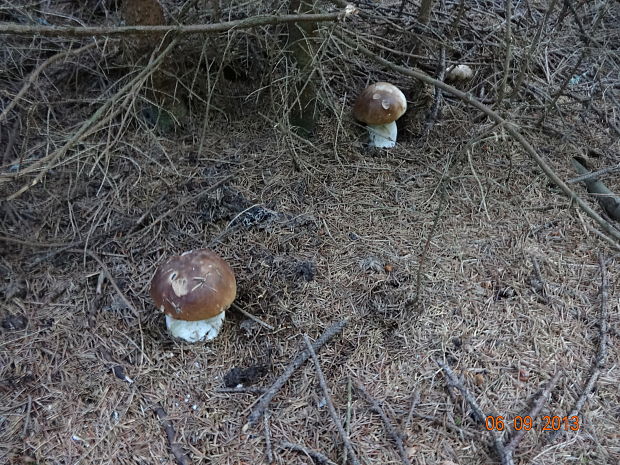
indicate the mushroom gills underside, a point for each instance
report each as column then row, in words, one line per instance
column 194, row 331
column 382, row 135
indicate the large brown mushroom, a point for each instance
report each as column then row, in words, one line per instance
column 379, row 106
column 194, row 290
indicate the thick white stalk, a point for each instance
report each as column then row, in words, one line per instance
column 194, row 331
column 383, row 135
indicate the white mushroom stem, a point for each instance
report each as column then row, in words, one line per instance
column 194, row 331
column 383, row 135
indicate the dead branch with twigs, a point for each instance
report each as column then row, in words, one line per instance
column 601, row 354
column 394, row 435
column 37, row 72
column 177, row 450
column 261, row 406
column 112, row 107
column 316, row 456
column 505, row 449
column 330, row 404
column 477, row 413
column 247, row 23
column 543, row 397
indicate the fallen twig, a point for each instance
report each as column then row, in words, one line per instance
column 246, row 23
column 242, row 390
column 422, row 260
column 396, row 436
column 433, row 113
column 109, row 277
column 479, row 415
column 608, row 200
column 594, row 174
column 252, row 317
column 330, row 404
column 268, row 446
column 176, row 449
column 414, row 402
column 261, row 406
column 601, row 355
column 512, row 445
column 314, row 455
column 508, row 58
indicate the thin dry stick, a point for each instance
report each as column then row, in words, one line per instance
column 242, row 390
column 317, row 457
column 330, row 404
column 109, row 277
column 525, row 66
column 254, row 21
column 252, row 317
column 431, row 234
column 347, row 420
column 479, row 416
column 184, row 202
column 396, row 436
column 120, row 293
column 433, row 113
column 601, row 354
column 414, row 402
column 512, row 445
column 594, row 174
column 35, row 74
column 261, row 406
column 508, row 58
column 511, row 128
column 176, row 449
column 268, row 447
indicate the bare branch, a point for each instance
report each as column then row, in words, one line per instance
column 479, row 415
column 533, row 413
column 396, row 436
column 330, row 404
column 314, row 455
column 247, row 23
column 261, row 406
column 176, row 449
column 601, row 354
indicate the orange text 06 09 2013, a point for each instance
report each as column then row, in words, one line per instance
column 527, row 423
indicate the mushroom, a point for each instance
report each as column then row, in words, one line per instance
column 459, row 73
column 194, row 290
column 379, row 106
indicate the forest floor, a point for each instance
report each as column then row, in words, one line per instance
column 451, row 248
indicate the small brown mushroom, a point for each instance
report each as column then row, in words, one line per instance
column 194, row 290
column 379, row 106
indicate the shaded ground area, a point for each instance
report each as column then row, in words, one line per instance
column 451, row 247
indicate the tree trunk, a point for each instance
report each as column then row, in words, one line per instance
column 300, row 44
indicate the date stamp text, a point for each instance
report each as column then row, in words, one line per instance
column 527, row 423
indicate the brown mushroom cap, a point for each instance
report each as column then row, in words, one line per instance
column 196, row 285
column 380, row 103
